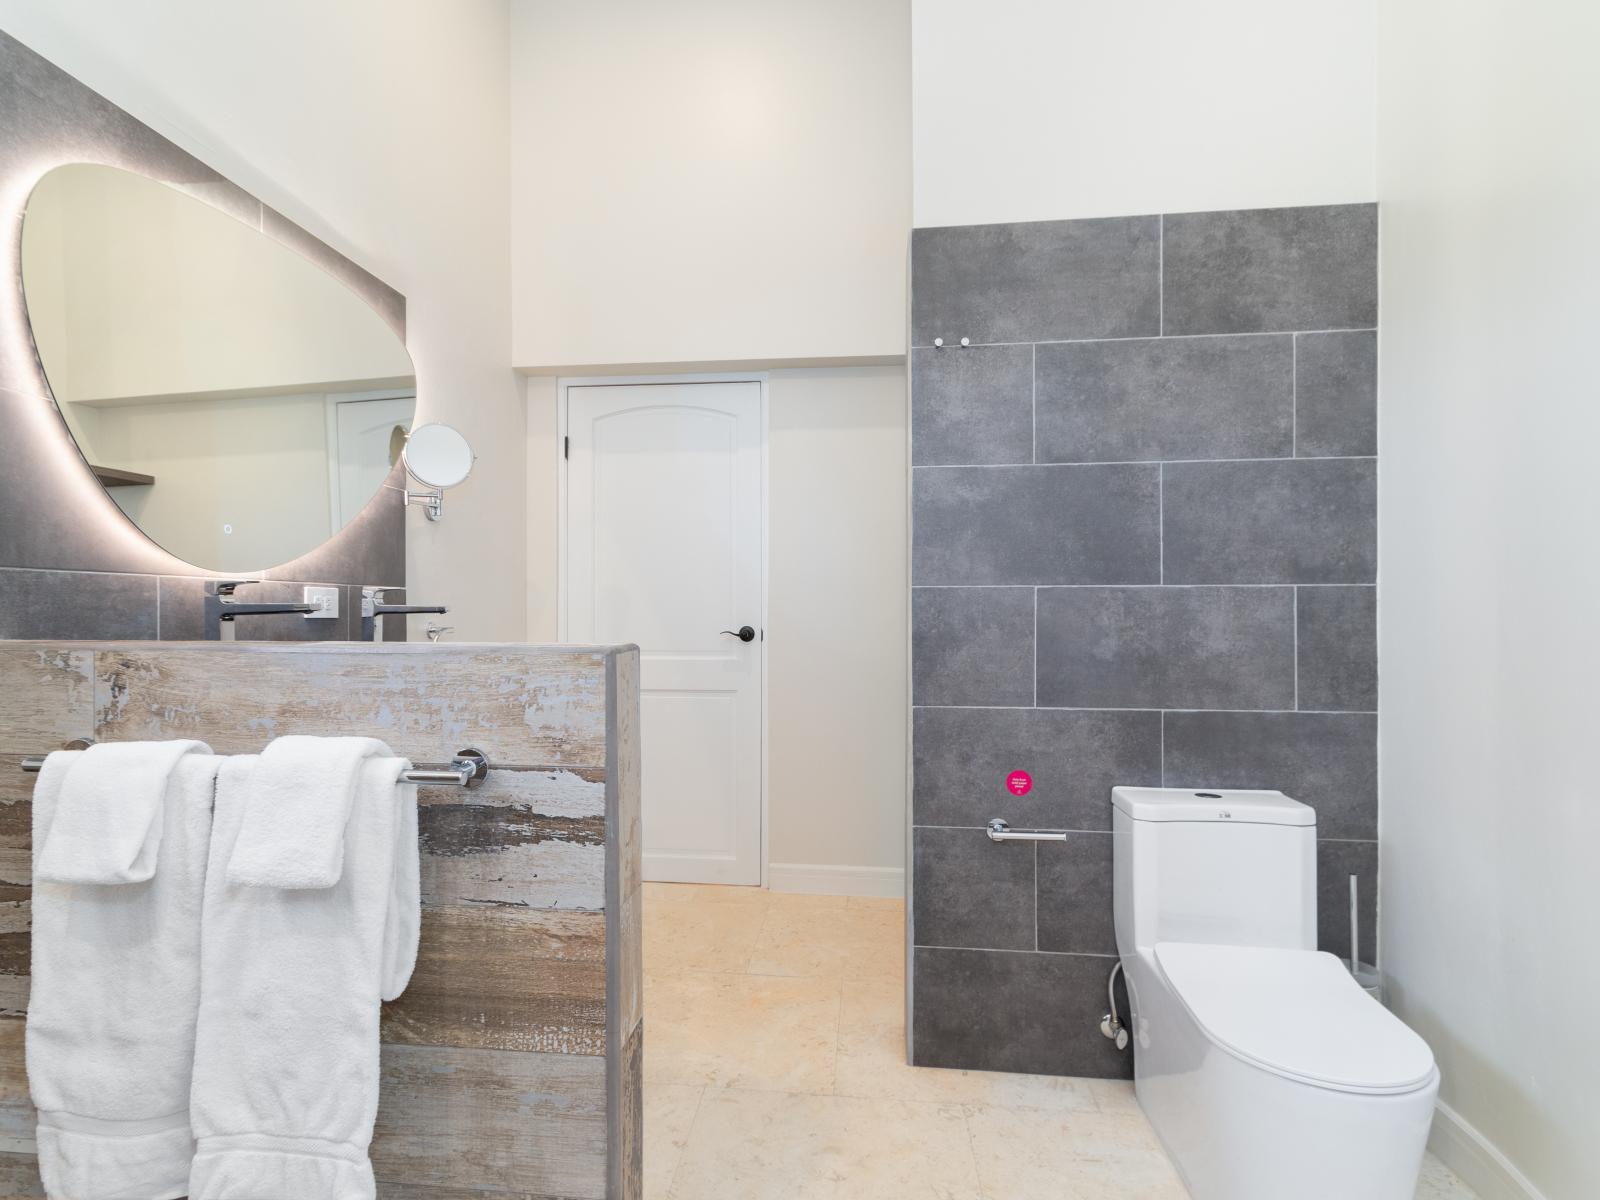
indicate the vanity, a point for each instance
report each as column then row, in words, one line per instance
column 213, row 457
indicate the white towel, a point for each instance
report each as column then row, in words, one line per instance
column 116, row 985
column 294, row 826
column 108, row 826
column 286, row 1061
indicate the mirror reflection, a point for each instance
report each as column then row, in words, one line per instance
column 239, row 404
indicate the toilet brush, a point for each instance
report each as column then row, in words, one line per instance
column 1355, row 925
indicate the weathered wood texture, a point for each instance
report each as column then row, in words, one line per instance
column 624, row 947
column 500, row 1070
column 19, row 1177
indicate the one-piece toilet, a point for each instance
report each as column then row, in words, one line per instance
column 1265, row 1069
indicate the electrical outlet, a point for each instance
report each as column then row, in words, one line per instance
column 327, row 601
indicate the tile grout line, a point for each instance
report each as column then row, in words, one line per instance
column 688, row 1133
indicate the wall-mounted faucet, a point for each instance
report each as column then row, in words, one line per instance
column 372, row 608
column 222, row 609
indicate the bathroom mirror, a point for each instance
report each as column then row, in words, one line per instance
column 238, row 403
column 438, row 456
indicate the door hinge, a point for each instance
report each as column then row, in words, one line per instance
column 566, row 447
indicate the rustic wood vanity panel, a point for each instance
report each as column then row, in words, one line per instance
column 512, row 1063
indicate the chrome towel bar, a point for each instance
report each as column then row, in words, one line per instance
column 999, row 831
column 466, row 768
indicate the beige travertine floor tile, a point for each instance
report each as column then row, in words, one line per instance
column 1439, row 1182
column 702, row 932
column 844, row 941
column 750, row 1031
column 872, row 1062
column 771, row 1146
column 1069, row 1156
column 669, row 1110
column 1114, row 1095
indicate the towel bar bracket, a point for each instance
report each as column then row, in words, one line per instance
column 466, row 768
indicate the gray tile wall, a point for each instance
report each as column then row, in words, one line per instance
column 71, row 564
column 1144, row 524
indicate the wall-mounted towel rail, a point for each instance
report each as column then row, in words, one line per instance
column 467, row 767
column 999, row 831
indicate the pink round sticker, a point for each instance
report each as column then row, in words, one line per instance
column 1019, row 783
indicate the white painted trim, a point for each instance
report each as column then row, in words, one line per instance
column 760, row 378
column 818, row 880
column 1476, row 1159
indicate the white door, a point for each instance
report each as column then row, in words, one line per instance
column 664, row 527
column 369, row 435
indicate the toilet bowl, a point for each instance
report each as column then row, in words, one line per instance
column 1264, row 1068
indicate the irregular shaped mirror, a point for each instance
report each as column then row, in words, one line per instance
column 240, row 404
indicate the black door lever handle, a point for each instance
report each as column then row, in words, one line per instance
column 744, row 633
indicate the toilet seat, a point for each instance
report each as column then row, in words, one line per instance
column 1297, row 1014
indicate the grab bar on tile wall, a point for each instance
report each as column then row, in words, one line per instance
column 467, row 767
column 999, row 831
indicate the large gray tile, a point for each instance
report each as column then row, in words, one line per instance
column 1011, row 525
column 183, row 614
column 1075, row 907
column 1336, row 862
column 1337, row 646
column 972, row 406
column 1265, row 269
column 1218, row 647
column 1326, row 760
column 67, row 604
column 969, row 891
column 1295, row 521
column 1036, row 281
column 972, row 646
column 962, row 757
column 997, row 1010
column 1163, row 398
column 1336, row 393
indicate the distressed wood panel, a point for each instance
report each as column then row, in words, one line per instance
column 627, row 1123
column 525, row 839
column 522, row 706
column 406, row 1191
column 492, row 1120
column 19, row 1177
column 16, row 884
column 508, row 980
column 624, row 931
column 16, row 1110
column 46, row 696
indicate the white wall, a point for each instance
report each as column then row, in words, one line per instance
column 836, row 640
column 1490, row 522
column 1029, row 110
column 383, row 127
column 709, row 180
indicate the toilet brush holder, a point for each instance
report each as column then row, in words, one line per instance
column 1364, row 974
column 1371, row 982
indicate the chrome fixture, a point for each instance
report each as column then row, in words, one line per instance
column 1111, row 1025
column 435, row 632
column 372, row 607
column 466, row 768
column 438, row 457
column 999, row 831
column 222, row 609
column 938, row 343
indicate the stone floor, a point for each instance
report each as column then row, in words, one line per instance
column 775, row 1070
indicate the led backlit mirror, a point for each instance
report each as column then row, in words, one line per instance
column 240, row 404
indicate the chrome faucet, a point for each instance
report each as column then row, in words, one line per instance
column 373, row 607
column 222, row 609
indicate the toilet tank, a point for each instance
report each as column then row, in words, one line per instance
column 1232, row 868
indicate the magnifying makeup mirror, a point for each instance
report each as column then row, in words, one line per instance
column 437, row 457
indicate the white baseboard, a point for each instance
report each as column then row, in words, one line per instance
column 816, row 880
column 1476, row 1159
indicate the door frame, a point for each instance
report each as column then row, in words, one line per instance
column 563, row 385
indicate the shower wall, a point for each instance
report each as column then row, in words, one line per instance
column 1144, row 552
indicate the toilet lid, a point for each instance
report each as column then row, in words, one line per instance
column 1296, row 1013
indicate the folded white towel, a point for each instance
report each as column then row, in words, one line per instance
column 116, row 985
column 294, row 825
column 286, row 1062
column 108, row 826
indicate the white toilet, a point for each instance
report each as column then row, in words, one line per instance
column 1266, row 1070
